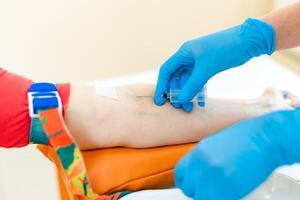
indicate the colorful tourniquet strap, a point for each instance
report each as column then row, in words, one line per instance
column 49, row 128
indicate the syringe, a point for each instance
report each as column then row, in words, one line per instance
column 173, row 95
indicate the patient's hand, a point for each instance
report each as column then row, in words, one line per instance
column 131, row 121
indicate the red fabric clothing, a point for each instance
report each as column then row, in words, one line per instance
column 14, row 115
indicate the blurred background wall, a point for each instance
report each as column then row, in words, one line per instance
column 67, row 40
column 76, row 41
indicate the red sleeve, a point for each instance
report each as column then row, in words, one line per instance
column 14, row 116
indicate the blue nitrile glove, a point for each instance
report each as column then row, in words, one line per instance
column 198, row 60
column 233, row 162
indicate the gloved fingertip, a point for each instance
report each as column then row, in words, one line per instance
column 188, row 107
column 201, row 104
column 187, row 188
column 178, row 174
column 159, row 101
column 176, row 105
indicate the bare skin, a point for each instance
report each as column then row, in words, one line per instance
column 98, row 121
column 286, row 22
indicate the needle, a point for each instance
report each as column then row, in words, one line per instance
column 164, row 95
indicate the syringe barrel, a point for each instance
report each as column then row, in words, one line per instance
column 200, row 97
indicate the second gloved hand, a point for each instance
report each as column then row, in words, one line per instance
column 233, row 162
column 198, row 60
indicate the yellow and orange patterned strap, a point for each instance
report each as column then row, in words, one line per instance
column 69, row 155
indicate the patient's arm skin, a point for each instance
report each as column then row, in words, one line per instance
column 98, row 121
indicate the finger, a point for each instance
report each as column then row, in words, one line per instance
column 192, row 86
column 206, row 183
column 165, row 74
column 179, row 173
column 202, row 99
column 178, row 77
column 187, row 107
column 188, row 184
column 195, row 174
column 180, row 169
column 174, row 83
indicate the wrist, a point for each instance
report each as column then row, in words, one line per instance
column 259, row 36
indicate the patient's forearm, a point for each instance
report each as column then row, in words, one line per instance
column 97, row 121
column 160, row 126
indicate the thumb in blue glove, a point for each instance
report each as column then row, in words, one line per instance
column 199, row 59
column 233, row 162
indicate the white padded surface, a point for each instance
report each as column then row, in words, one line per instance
column 166, row 194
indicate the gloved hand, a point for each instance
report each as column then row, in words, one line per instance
column 233, row 162
column 198, row 60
